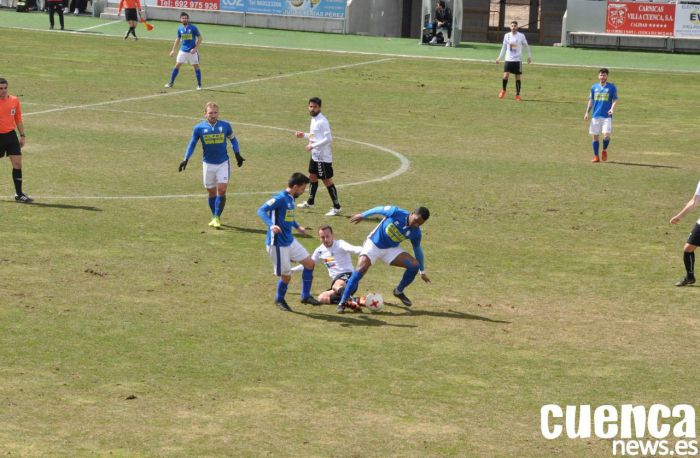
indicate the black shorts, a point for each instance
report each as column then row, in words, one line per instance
column 345, row 276
column 131, row 14
column 9, row 144
column 513, row 66
column 323, row 170
column 694, row 237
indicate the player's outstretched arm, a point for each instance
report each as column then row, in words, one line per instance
column 354, row 219
column 420, row 257
column 692, row 203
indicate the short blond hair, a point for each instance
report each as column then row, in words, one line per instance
column 210, row 104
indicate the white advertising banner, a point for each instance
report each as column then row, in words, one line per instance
column 687, row 19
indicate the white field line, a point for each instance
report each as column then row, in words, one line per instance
column 403, row 167
column 388, row 55
column 99, row 25
column 218, row 86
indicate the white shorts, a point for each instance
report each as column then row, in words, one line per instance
column 374, row 253
column 600, row 123
column 282, row 257
column 187, row 58
column 215, row 173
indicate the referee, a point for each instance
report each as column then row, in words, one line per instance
column 10, row 145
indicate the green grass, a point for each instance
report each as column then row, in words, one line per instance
column 552, row 277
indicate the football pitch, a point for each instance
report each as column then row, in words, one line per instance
column 128, row 327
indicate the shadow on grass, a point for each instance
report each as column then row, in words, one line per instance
column 409, row 311
column 224, row 91
column 356, row 319
column 248, row 230
column 653, row 166
column 60, row 206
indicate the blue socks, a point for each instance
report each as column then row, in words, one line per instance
column 198, row 74
column 173, row 75
column 307, row 278
column 606, row 142
column 212, row 205
column 351, row 286
column 407, row 278
column 281, row 291
column 219, row 204
column 596, row 147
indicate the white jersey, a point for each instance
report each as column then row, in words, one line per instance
column 320, row 138
column 513, row 47
column 336, row 258
column 697, row 193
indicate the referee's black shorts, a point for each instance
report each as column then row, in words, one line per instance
column 131, row 14
column 513, row 66
column 694, row 237
column 9, row 144
column 323, row 170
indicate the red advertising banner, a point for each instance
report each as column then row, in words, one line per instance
column 209, row 5
column 636, row 18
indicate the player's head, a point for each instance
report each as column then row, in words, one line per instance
column 441, row 4
column 418, row 217
column 325, row 234
column 514, row 26
column 603, row 75
column 314, row 106
column 3, row 87
column 211, row 112
column 297, row 184
column 184, row 18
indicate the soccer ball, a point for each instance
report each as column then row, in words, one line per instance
column 374, row 302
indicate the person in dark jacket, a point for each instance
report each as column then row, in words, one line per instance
column 443, row 19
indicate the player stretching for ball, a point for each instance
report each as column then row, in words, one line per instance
column 513, row 44
column 191, row 40
column 603, row 99
column 335, row 255
column 213, row 134
column 383, row 243
column 278, row 215
column 321, row 162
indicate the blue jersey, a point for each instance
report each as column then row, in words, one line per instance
column 213, row 140
column 279, row 210
column 603, row 98
column 394, row 229
column 188, row 37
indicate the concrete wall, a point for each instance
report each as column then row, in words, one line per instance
column 585, row 16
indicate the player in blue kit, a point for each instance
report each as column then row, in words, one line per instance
column 191, row 39
column 383, row 244
column 213, row 133
column 278, row 215
column 603, row 99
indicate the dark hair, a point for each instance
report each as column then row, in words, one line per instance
column 3, row 81
column 297, row 178
column 422, row 212
column 184, row 14
column 513, row 22
column 604, row 70
column 315, row 100
column 326, row 227
column 441, row 3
